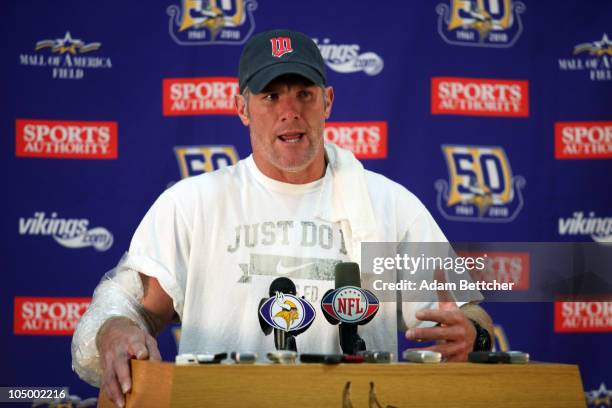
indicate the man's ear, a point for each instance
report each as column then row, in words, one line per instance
column 241, row 108
column 329, row 100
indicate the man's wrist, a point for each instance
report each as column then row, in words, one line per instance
column 482, row 341
column 108, row 322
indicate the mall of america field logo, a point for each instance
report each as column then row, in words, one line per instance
column 593, row 57
column 68, row 58
column 481, row 186
column 480, row 23
column 197, row 22
column 599, row 398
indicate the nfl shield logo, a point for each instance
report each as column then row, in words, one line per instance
column 281, row 46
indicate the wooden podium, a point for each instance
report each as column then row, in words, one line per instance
column 398, row 385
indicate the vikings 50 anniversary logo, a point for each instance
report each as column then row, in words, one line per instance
column 194, row 160
column 202, row 22
column 481, row 186
column 480, row 23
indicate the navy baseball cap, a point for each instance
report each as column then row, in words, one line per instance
column 278, row 52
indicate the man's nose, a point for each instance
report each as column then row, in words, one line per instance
column 289, row 109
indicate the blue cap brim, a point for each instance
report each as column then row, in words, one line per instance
column 263, row 77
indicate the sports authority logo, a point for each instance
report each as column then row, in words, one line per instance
column 367, row 140
column 599, row 398
column 479, row 97
column 350, row 304
column 598, row 228
column 199, row 96
column 62, row 139
column 50, row 316
column 194, row 160
column 594, row 57
column 281, row 46
column 287, row 312
column 65, row 57
column 503, row 267
column 481, row 186
column 198, row 22
column 346, row 58
column 583, row 140
column 480, row 23
column 583, row 317
column 68, row 232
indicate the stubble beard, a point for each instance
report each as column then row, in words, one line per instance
column 294, row 165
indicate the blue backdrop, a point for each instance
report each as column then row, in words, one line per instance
column 495, row 113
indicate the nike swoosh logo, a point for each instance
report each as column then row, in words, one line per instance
column 285, row 270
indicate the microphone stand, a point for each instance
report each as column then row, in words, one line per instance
column 284, row 341
column 350, row 341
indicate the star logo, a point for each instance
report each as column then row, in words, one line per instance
column 601, row 397
column 595, row 48
column 67, row 44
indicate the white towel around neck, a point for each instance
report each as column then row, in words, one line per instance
column 350, row 200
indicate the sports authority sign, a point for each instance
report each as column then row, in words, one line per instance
column 479, row 97
column 583, row 140
column 62, row 139
column 199, row 96
column 367, row 140
column 50, row 316
column 583, row 317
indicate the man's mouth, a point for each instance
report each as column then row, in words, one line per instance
column 291, row 137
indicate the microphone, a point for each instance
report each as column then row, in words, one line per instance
column 285, row 314
column 349, row 305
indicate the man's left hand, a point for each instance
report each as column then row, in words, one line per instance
column 454, row 335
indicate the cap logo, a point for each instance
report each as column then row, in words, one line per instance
column 281, row 46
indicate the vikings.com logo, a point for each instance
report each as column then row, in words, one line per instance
column 480, row 23
column 481, row 186
column 201, row 22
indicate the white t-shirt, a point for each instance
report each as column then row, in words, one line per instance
column 216, row 241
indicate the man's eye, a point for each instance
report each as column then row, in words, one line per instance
column 305, row 94
column 270, row 97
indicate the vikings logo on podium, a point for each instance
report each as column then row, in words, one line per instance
column 287, row 312
column 350, row 304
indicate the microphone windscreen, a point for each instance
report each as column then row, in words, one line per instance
column 282, row 285
column 330, row 319
column 347, row 274
column 267, row 329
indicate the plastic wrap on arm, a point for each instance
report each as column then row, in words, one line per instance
column 119, row 293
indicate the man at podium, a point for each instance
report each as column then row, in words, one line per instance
column 207, row 250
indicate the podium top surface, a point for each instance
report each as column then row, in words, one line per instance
column 318, row 385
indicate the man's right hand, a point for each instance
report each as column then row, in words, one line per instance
column 118, row 341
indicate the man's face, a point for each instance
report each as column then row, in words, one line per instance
column 286, row 121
